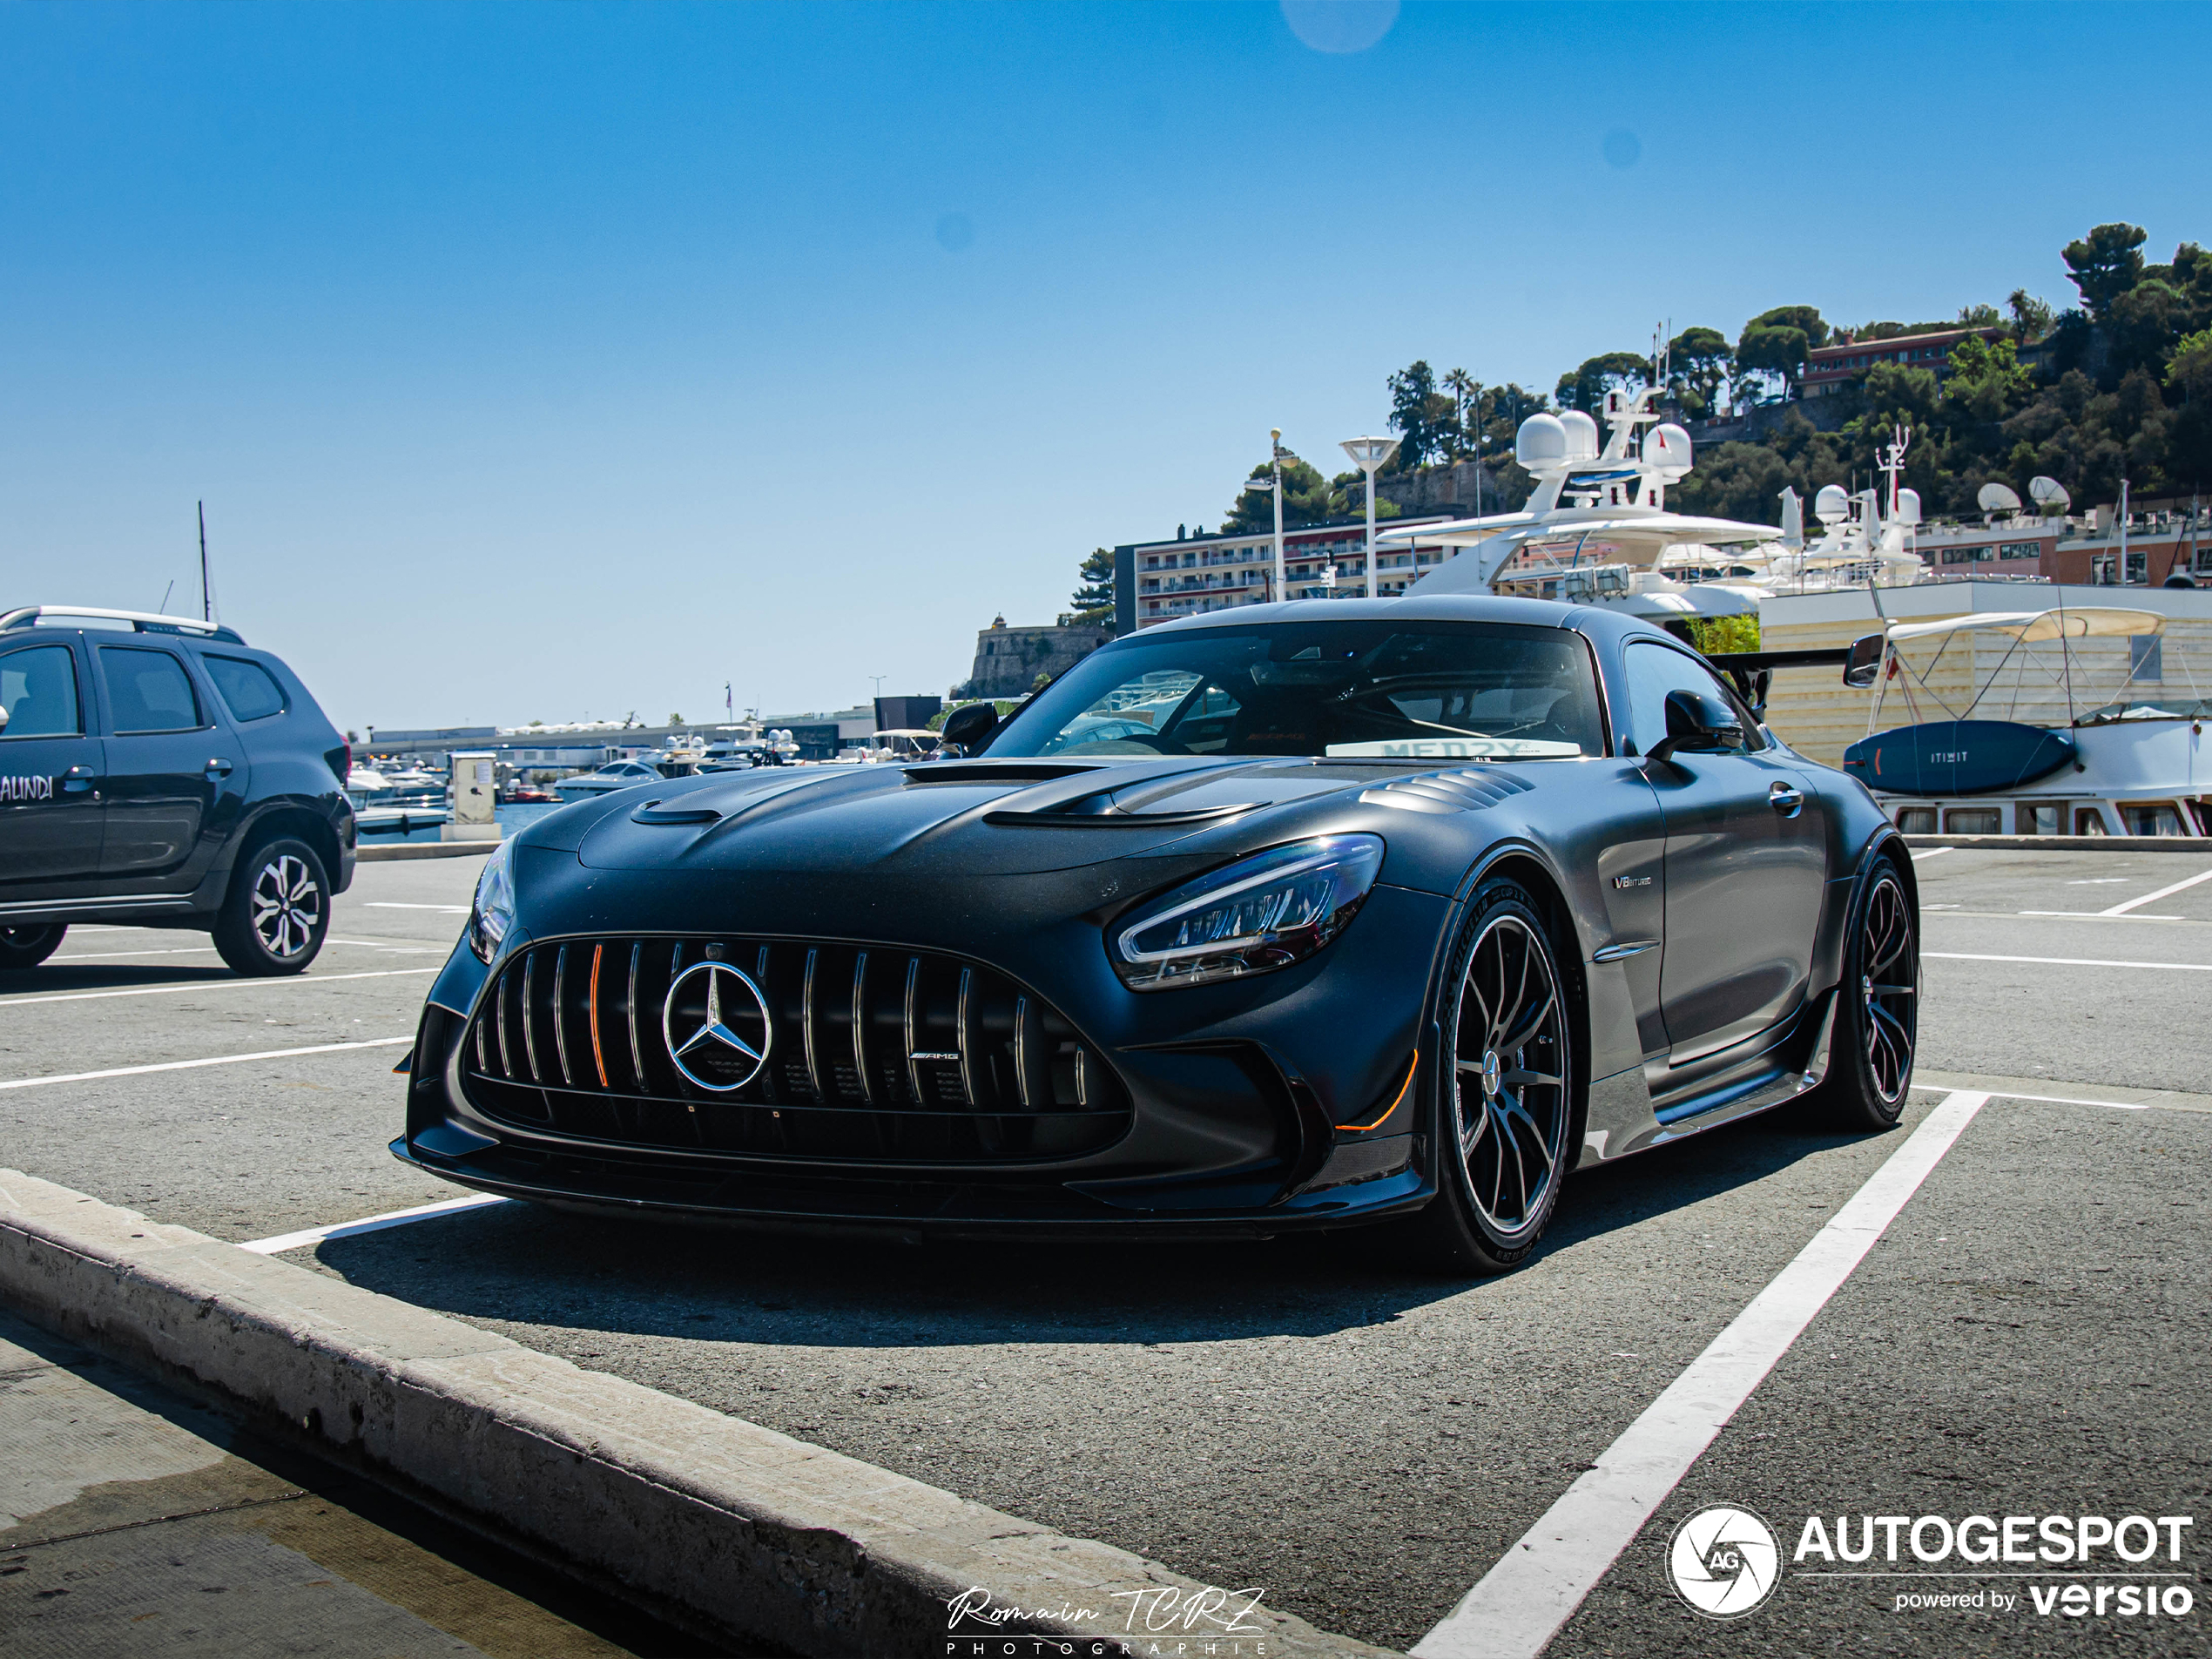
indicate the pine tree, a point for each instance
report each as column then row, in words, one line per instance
column 1093, row 600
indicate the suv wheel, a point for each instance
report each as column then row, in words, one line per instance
column 28, row 946
column 277, row 911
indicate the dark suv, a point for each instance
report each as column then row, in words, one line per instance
column 157, row 771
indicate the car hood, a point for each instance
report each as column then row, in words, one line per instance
column 970, row 818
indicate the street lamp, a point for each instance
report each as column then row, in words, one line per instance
column 1370, row 456
column 1276, row 452
column 1272, row 485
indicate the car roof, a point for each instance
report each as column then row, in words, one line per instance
column 1595, row 621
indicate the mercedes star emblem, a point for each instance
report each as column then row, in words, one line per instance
column 725, row 1020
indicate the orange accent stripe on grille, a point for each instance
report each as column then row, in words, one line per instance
column 598, row 1058
column 1397, row 1101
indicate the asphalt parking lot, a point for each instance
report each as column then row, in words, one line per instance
column 2029, row 1336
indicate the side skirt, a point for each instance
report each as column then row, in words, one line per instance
column 1779, row 1072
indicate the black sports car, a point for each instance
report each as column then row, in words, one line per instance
column 1290, row 916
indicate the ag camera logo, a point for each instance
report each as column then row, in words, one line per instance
column 1723, row 1562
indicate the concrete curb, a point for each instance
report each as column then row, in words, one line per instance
column 756, row 1534
column 2200, row 845
column 369, row 855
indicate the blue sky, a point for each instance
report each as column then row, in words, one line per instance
column 546, row 362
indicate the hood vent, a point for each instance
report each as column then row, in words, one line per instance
column 998, row 772
column 653, row 813
column 1468, row 789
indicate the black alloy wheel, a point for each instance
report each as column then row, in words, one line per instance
column 1505, row 1109
column 22, row 947
column 1870, row 1051
column 277, row 912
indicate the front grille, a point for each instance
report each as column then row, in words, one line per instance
column 871, row 1053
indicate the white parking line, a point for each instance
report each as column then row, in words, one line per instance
column 2087, row 915
column 189, row 1065
column 368, row 1223
column 2067, row 962
column 211, row 985
column 1521, row 1601
column 1921, row 855
column 398, row 946
column 2068, row 1100
column 2122, row 909
column 105, row 956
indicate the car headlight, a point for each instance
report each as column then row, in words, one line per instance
column 492, row 912
column 1262, row 912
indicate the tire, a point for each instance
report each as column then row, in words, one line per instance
column 1505, row 1107
column 22, row 947
column 277, row 911
column 1876, row 1029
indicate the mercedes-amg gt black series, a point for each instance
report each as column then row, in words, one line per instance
column 1303, row 915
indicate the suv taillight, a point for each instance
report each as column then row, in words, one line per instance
column 341, row 761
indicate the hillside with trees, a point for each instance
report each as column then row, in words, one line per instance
column 2117, row 385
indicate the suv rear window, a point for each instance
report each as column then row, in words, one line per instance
column 148, row 691
column 249, row 691
column 38, row 689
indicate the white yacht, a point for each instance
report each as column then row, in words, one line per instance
column 1597, row 530
column 616, row 774
column 386, row 803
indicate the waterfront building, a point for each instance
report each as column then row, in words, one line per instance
column 1157, row 581
column 1829, row 370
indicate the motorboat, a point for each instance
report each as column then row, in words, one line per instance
column 731, row 754
column 396, row 802
column 906, row 743
column 2035, row 749
column 616, row 774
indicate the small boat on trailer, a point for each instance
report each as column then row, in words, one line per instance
column 2134, row 766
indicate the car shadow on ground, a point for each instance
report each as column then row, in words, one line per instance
column 527, row 1265
column 113, row 975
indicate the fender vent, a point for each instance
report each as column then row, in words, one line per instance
column 1463, row 790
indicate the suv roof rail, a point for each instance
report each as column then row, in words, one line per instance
column 143, row 621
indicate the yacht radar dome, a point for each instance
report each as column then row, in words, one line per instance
column 1997, row 498
column 1908, row 507
column 1582, row 436
column 1831, row 504
column 1667, row 450
column 1541, row 444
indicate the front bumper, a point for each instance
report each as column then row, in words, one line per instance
column 1290, row 1101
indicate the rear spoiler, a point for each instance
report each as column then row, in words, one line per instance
column 1753, row 670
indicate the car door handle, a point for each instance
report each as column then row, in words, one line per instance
column 219, row 767
column 1785, row 799
column 78, row 779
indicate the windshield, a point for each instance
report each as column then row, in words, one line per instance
column 2150, row 707
column 1353, row 689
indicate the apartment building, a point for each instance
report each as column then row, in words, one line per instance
column 1157, row 581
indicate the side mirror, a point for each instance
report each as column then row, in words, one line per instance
column 1698, row 724
column 1864, row 663
column 4, row 717
column 972, row 727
